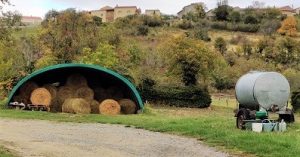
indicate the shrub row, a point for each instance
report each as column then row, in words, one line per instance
column 252, row 28
column 296, row 100
column 194, row 97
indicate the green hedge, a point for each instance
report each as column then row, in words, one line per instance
column 296, row 100
column 194, row 97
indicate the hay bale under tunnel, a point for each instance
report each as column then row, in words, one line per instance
column 64, row 92
column 85, row 93
column 76, row 105
column 26, row 90
column 95, row 106
column 109, row 107
column 54, row 106
column 41, row 96
column 115, row 93
column 127, row 106
column 76, row 81
column 100, row 94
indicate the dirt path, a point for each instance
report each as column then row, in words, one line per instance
column 53, row 139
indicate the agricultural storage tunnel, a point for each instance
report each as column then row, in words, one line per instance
column 96, row 76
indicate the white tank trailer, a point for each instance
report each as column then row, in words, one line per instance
column 260, row 92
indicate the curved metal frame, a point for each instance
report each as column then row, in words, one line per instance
column 96, row 67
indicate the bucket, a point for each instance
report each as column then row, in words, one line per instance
column 257, row 127
column 268, row 127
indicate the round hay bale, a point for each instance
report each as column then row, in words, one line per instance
column 85, row 93
column 41, row 96
column 76, row 81
column 127, row 106
column 95, row 107
column 26, row 90
column 52, row 89
column 55, row 106
column 64, row 93
column 76, row 105
column 115, row 93
column 109, row 107
column 100, row 94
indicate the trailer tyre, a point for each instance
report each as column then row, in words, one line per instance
column 242, row 115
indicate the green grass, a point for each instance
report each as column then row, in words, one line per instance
column 5, row 152
column 214, row 126
column 26, row 31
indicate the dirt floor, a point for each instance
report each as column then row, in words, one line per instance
column 53, row 139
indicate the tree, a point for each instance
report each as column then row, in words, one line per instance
column 288, row 27
column 189, row 59
column 257, row 5
column 221, row 45
column 268, row 27
column 250, row 19
column 287, row 51
column 104, row 55
column 235, row 16
column 200, row 11
column 68, row 32
column 222, row 11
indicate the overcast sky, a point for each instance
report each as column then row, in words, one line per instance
column 40, row 7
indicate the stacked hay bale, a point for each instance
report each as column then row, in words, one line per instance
column 75, row 96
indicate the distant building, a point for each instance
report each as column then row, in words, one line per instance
column 188, row 8
column 109, row 14
column 287, row 10
column 31, row 20
column 297, row 10
column 153, row 12
column 210, row 14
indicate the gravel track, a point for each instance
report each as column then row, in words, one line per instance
column 54, row 139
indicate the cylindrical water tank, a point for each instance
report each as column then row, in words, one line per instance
column 263, row 89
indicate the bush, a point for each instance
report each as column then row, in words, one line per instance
column 250, row 19
column 200, row 34
column 221, row 45
column 195, row 97
column 185, row 24
column 142, row 30
column 222, row 83
column 152, row 21
column 296, row 100
column 251, row 28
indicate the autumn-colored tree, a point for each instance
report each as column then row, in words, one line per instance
column 66, row 33
column 288, row 27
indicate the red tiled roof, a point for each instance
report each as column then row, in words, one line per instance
column 106, row 8
column 31, row 18
column 126, row 7
column 286, row 8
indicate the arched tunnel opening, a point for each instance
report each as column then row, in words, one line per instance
column 96, row 77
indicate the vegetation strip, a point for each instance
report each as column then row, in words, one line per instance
column 216, row 127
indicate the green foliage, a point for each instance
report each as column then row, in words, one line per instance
column 252, row 28
column 200, row 34
column 142, row 30
column 221, row 45
column 235, row 16
column 269, row 27
column 68, row 32
column 189, row 58
column 46, row 60
column 177, row 96
column 292, row 76
column 104, row 55
column 222, row 11
column 185, row 24
column 287, row 51
column 152, row 21
column 295, row 100
column 250, row 19
column 110, row 34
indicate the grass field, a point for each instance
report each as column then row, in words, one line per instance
column 215, row 126
column 5, row 152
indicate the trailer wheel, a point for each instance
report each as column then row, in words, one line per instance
column 242, row 115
